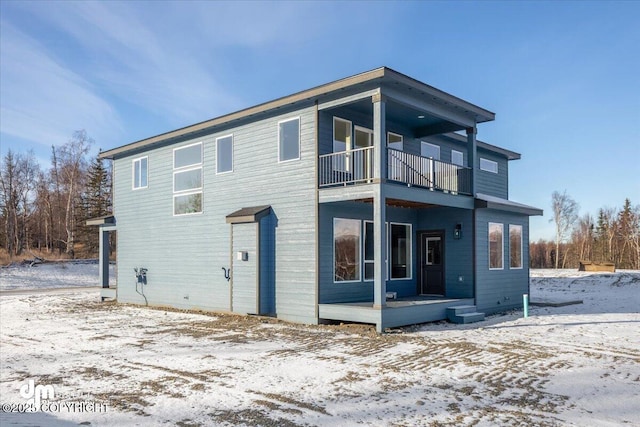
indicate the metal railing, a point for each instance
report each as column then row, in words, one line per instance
column 356, row 166
column 427, row 172
column 346, row 167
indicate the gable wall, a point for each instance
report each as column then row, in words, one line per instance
column 185, row 254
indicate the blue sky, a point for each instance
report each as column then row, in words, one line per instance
column 562, row 77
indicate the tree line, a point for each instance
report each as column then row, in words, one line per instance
column 612, row 236
column 45, row 210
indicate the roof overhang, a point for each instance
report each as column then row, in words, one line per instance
column 102, row 220
column 248, row 215
column 492, row 202
column 378, row 77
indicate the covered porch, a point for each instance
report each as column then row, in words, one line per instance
column 106, row 225
column 400, row 312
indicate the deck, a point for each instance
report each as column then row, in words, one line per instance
column 400, row 312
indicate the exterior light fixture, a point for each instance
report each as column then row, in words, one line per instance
column 421, row 116
column 457, row 232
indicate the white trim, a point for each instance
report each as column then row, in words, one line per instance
column 348, row 143
column 489, row 165
column 489, row 245
column 521, row 247
column 173, row 205
column 189, row 169
column 364, row 260
column 401, row 142
column 363, row 129
column 333, row 240
column 187, row 146
column 423, row 143
column 461, row 156
column 299, row 139
column 133, row 173
column 409, row 256
column 218, row 153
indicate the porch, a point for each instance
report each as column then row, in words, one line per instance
column 400, row 312
column 357, row 167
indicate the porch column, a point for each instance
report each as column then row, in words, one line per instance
column 103, row 258
column 472, row 153
column 379, row 203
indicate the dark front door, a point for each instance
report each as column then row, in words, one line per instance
column 432, row 263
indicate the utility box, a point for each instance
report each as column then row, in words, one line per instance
column 242, row 256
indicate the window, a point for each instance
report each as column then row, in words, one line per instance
column 187, row 179
column 224, row 154
column 368, row 250
column 394, row 141
column 289, row 139
column 457, row 158
column 341, row 143
column 496, row 246
column 430, row 150
column 400, row 244
column 488, row 165
column 515, row 246
column 140, row 172
column 346, row 250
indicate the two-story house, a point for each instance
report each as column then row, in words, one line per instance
column 368, row 199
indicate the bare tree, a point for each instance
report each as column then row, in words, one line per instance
column 71, row 167
column 565, row 214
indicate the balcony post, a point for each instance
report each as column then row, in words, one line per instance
column 472, row 153
column 379, row 202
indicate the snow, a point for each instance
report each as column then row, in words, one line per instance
column 52, row 275
column 572, row 365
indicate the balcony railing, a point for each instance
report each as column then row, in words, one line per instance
column 356, row 166
column 346, row 167
column 427, row 172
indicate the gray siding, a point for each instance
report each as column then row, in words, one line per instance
column 185, row 254
column 499, row 290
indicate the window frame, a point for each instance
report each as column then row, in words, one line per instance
column 511, row 267
column 484, row 165
column 401, row 142
column 501, row 245
column 218, row 172
column 280, row 123
column 359, row 252
column 133, row 173
column 461, row 158
column 347, row 144
column 423, row 143
column 409, row 255
column 188, row 168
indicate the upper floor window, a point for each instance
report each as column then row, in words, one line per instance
column 496, row 246
column 457, row 158
column 224, row 154
column 430, row 150
column 488, row 165
column 394, row 141
column 515, row 246
column 140, row 172
column 341, row 135
column 289, row 139
column 187, row 179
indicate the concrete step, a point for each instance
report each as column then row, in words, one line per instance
column 461, row 309
column 463, row 314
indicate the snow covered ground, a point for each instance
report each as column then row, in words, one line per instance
column 113, row 364
column 52, row 275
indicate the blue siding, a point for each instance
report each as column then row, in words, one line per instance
column 499, row 290
column 185, row 254
column 491, row 183
column 458, row 253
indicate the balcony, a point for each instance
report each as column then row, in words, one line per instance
column 356, row 167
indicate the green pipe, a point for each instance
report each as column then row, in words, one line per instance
column 525, row 304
